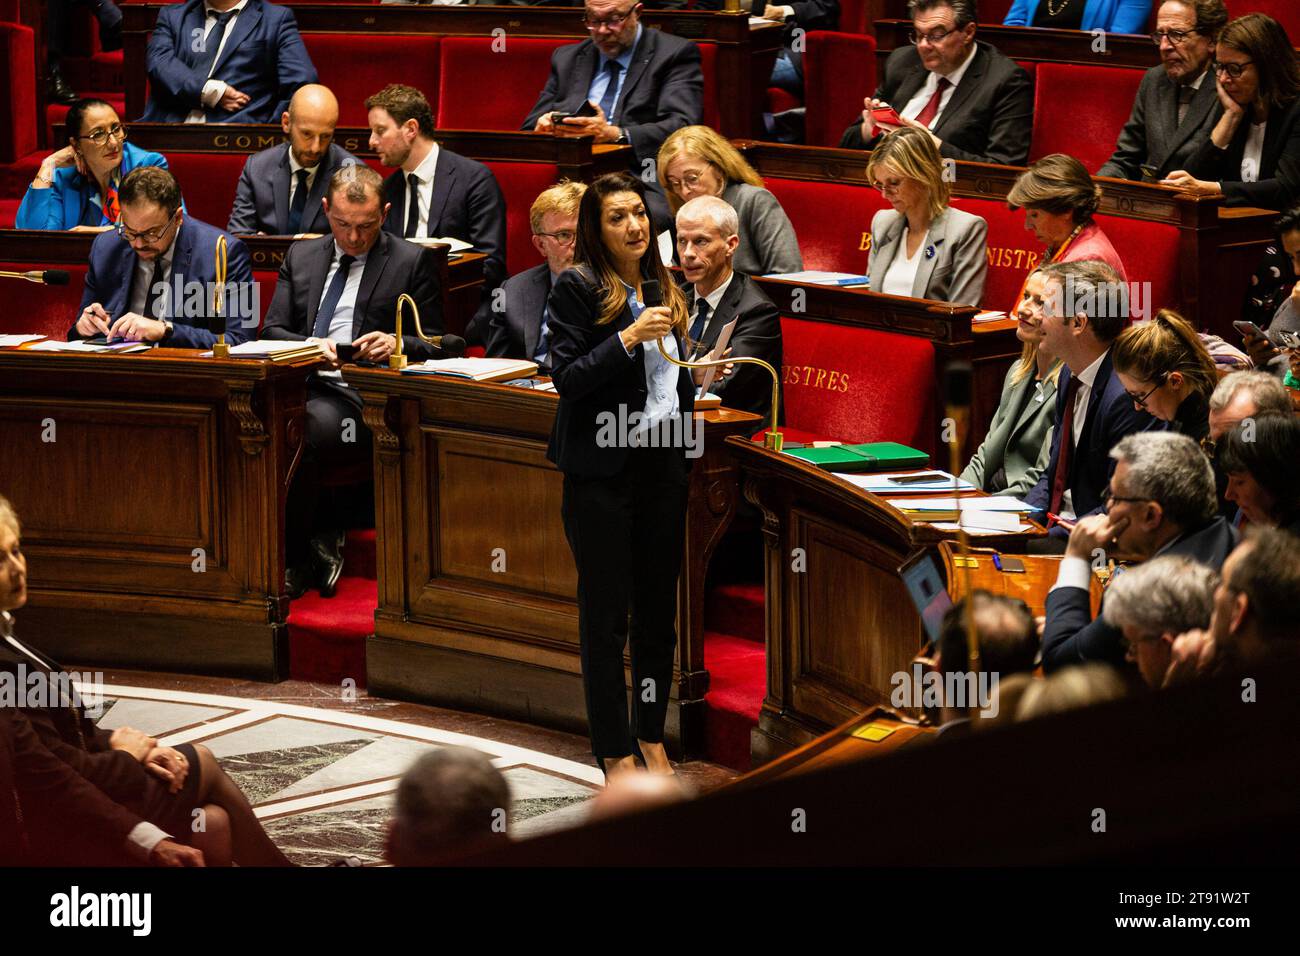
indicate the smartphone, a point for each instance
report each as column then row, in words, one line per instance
column 923, row 478
column 1148, row 173
column 346, row 351
column 588, row 108
column 886, row 115
column 1247, row 328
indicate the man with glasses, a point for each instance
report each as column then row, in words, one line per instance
column 977, row 104
column 1160, row 501
column 1177, row 103
column 638, row 85
column 516, row 322
column 153, row 277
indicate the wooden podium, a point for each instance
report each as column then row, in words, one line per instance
column 477, row 588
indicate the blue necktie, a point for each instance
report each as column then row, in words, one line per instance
column 294, row 225
column 332, row 295
column 613, row 68
column 213, row 43
column 701, row 320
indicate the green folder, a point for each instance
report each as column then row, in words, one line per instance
column 873, row 456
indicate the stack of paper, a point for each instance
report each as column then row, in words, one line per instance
column 989, row 317
column 276, row 351
column 457, row 245
column 476, row 369
column 815, row 277
column 54, row 345
column 888, row 483
column 10, row 341
column 992, row 513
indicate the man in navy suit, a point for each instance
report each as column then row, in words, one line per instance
column 224, row 61
column 656, row 87
column 517, row 324
column 435, row 193
column 1085, row 309
column 1160, row 501
column 281, row 188
column 152, row 279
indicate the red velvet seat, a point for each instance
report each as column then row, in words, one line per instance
column 1285, row 12
column 208, row 182
column 521, row 183
column 1149, row 251
column 1012, row 250
column 709, row 67
column 9, row 212
column 47, row 309
column 839, row 72
column 486, row 86
column 832, row 221
column 857, row 385
column 1088, row 128
column 855, row 16
column 356, row 66
column 18, row 107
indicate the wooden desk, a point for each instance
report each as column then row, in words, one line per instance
column 477, row 589
column 840, row 623
column 1031, row 586
column 744, row 61
column 151, row 490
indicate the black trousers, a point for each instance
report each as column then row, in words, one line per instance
column 334, row 434
column 627, row 533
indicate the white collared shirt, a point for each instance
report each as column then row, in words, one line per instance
column 294, row 166
column 214, row 90
column 1253, row 155
column 1086, row 380
column 143, row 277
column 425, row 193
column 714, row 299
column 340, row 329
column 924, row 94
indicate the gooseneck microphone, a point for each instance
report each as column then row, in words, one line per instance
column 453, row 346
column 40, row 277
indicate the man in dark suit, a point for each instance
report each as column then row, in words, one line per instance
column 1085, row 309
column 224, row 61
column 435, row 193
column 281, row 188
column 152, row 279
column 707, row 236
column 517, row 324
column 976, row 103
column 1177, row 104
column 643, row 84
column 343, row 289
column 1161, row 501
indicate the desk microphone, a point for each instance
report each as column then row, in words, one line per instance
column 453, row 346
column 46, row 277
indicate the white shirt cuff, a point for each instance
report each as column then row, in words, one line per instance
column 1074, row 573
column 786, row 11
column 143, row 838
column 213, row 91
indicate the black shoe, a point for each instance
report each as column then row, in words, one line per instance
column 298, row 578
column 327, row 556
column 58, row 90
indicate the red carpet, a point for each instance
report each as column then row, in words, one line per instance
column 327, row 637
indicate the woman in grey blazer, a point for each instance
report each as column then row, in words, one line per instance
column 1019, row 442
column 922, row 247
column 696, row 161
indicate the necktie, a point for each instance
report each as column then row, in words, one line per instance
column 208, row 58
column 543, row 337
column 157, row 289
column 1185, row 96
column 298, row 205
column 412, row 206
column 112, row 208
column 1061, row 479
column 927, row 115
column 701, row 320
column 325, row 315
column 607, row 102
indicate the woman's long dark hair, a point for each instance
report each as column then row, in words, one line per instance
column 591, row 252
column 1264, row 40
column 1268, row 449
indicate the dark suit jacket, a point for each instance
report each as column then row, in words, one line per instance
column 663, row 91
column 393, row 266
column 467, row 204
column 263, row 56
column 513, row 331
column 112, row 270
column 1279, row 169
column 757, row 334
column 594, row 376
column 262, row 196
column 1110, row 417
column 988, row 119
column 1070, row 636
column 1154, row 137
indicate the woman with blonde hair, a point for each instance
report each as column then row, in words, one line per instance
column 1168, row 372
column 922, row 247
column 696, row 161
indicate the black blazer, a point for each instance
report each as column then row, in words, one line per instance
column 262, row 196
column 1071, row 636
column 757, row 334
column 467, row 204
column 1154, row 137
column 1279, row 169
column 393, row 266
column 988, row 119
column 594, row 377
column 513, row 332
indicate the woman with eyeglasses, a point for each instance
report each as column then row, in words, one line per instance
column 1253, row 153
column 1168, row 372
column 1113, row 16
column 76, row 187
column 696, row 161
column 1260, row 457
column 921, row 246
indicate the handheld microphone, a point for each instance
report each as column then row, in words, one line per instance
column 45, row 277
column 651, row 295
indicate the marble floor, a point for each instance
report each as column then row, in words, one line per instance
column 320, row 763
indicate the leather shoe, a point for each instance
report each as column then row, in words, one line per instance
column 297, row 579
column 327, row 555
column 58, row 90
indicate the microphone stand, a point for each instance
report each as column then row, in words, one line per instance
column 398, row 359
column 220, row 349
column 772, row 438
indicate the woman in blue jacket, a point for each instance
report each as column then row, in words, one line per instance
column 1113, row 16
column 77, row 186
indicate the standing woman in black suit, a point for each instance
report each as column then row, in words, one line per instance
column 621, row 437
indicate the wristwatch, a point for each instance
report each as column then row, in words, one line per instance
column 622, row 137
column 167, row 333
